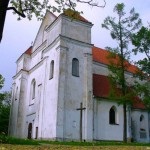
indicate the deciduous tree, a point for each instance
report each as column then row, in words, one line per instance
column 121, row 29
column 141, row 41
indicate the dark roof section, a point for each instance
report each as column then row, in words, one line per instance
column 101, row 88
column 75, row 15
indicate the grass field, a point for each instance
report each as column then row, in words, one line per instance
column 66, row 147
column 11, row 143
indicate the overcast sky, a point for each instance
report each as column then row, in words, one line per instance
column 18, row 35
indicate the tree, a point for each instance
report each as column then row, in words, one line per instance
column 141, row 41
column 5, row 111
column 4, row 108
column 26, row 8
column 121, row 29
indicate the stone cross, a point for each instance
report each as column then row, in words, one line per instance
column 81, row 112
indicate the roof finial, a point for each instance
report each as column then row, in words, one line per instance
column 32, row 43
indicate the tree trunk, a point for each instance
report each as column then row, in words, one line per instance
column 3, row 10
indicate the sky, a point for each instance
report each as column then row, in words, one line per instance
column 19, row 35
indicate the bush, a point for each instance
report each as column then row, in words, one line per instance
column 12, row 140
column 3, row 138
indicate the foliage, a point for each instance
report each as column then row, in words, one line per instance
column 38, row 8
column 4, row 108
column 12, row 140
column 121, row 30
column 141, row 41
column 26, row 8
column 1, row 81
column 4, row 112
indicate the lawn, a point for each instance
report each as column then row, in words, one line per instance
column 11, row 143
column 66, row 147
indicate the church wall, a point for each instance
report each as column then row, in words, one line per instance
column 50, row 94
column 26, row 63
column 17, row 118
column 103, row 130
column 53, row 31
column 33, row 113
column 14, row 110
column 20, row 64
column 73, row 29
column 100, row 69
column 140, row 128
column 75, row 91
column 41, row 35
column 23, row 63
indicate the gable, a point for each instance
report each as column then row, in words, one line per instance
column 47, row 20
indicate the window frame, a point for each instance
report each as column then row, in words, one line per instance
column 75, row 67
column 16, row 94
column 113, row 116
column 51, row 71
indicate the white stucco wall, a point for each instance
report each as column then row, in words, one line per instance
column 102, row 129
column 137, row 126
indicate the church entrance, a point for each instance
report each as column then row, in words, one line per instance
column 30, row 131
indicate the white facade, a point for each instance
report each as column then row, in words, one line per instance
column 47, row 93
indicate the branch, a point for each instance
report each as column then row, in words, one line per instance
column 90, row 2
column 16, row 11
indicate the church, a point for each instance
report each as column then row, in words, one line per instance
column 61, row 87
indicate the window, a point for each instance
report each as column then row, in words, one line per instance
column 36, row 132
column 141, row 118
column 142, row 127
column 142, row 123
column 75, row 67
column 16, row 94
column 112, row 115
column 33, row 87
column 51, row 75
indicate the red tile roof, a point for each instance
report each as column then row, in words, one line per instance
column 101, row 88
column 28, row 51
column 138, row 104
column 100, row 55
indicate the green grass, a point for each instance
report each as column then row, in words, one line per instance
column 11, row 140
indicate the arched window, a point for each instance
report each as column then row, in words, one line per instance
column 51, row 75
column 16, row 94
column 33, row 87
column 143, row 133
column 112, row 115
column 75, row 67
column 142, row 123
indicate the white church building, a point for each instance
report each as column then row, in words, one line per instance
column 60, row 90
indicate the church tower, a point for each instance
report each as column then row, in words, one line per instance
column 75, row 105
